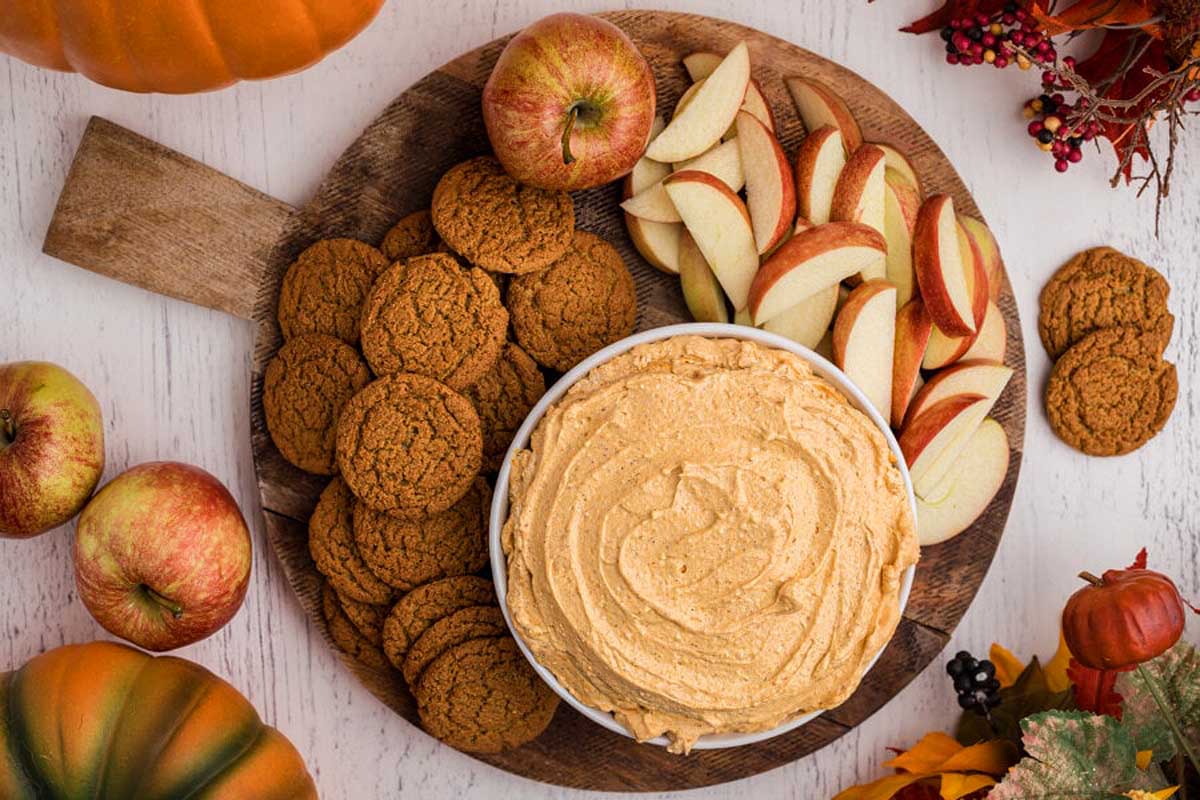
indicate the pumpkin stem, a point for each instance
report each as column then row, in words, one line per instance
column 1168, row 713
column 1090, row 578
column 568, row 129
column 8, row 428
column 170, row 605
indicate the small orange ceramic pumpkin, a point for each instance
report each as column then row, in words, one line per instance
column 104, row 720
column 1123, row 618
column 179, row 46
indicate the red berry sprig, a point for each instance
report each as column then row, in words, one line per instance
column 1048, row 116
column 994, row 39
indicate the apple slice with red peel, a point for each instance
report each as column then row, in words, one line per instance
column 657, row 242
column 809, row 262
column 807, row 322
column 969, row 487
column 901, row 203
column 988, row 250
column 991, row 343
column 932, row 441
column 939, row 263
column 864, row 336
column 819, row 105
column 987, row 378
column 720, row 224
column 701, row 290
column 701, row 64
column 944, row 350
column 898, row 161
column 652, row 203
column 700, row 124
column 819, row 163
column 770, row 185
column 913, row 327
column 859, row 197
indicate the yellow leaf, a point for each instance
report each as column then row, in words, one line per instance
column 926, row 755
column 994, row 758
column 1143, row 758
column 1056, row 668
column 1161, row 794
column 1008, row 667
column 955, row 785
column 882, row 789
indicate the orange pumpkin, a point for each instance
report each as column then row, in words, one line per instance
column 179, row 46
column 103, row 720
column 1123, row 618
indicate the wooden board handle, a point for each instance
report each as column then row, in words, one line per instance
column 141, row 213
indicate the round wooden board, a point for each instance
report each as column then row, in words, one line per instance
column 143, row 214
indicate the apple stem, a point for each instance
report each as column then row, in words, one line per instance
column 1090, row 578
column 8, row 429
column 568, row 129
column 170, row 605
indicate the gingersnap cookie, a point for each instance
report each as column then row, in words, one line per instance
column 367, row 617
column 497, row 223
column 346, row 636
column 483, row 697
column 304, row 388
column 431, row 317
column 409, row 445
column 580, row 303
column 1112, row 392
column 331, row 544
column 474, row 622
column 408, row 553
column 414, row 613
column 1104, row 288
column 504, row 396
column 412, row 236
column 324, row 290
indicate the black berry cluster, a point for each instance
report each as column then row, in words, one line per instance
column 975, row 682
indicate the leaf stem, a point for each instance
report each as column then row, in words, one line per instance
column 1160, row 701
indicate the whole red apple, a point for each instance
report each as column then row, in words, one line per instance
column 569, row 104
column 51, row 447
column 162, row 555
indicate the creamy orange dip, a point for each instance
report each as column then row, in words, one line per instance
column 706, row 537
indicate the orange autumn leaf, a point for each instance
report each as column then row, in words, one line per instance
column 927, row 755
column 994, row 758
column 1008, row 667
column 1087, row 14
column 955, row 786
column 882, row 789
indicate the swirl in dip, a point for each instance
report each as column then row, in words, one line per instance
column 706, row 537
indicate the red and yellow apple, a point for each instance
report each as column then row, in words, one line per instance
column 162, row 555
column 570, row 103
column 51, row 447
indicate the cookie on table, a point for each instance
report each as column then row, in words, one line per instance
column 346, row 636
column 305, row 387
column 324, row 290
column 409, row 445
column 431, row 317
column 331, row 544
column 497, row 223
column 367, row 617
column 412, row 236
column 1104, row 288
column 482, row 696
column 582, row 302
column 474, row 622
column 414, row 613
column 408, row 553
column 504, row 396
column 1112, row 392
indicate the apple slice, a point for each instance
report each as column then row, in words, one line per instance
column 944, row 350
column 913, row 327
column 719, row 222
column 657, row 242
column 700, row 65
column 652, row 203
column 986, row 378
column 899, row 162
column 864, row 336
column 973, row 480
column 991, row 343
column 901, row 203
column 933, row 440
column 859, row 197
column 819, row 105
column 819, row 163
column 824, row 347
column 938, row 261
column 742, row 317
column 699, row 125
column 807, row 322
column 812, row 260
column 770, row 185
column 701, row 290
column 986, row 248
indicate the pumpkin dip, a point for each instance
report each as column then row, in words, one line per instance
column 706, row 537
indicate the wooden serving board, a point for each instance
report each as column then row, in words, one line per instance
column 146, row 215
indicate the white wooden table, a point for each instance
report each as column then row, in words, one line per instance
column 173, row 378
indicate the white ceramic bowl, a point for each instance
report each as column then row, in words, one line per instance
column 499, row 511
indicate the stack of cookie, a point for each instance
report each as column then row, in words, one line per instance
column 398, row 379
column 1104, row 321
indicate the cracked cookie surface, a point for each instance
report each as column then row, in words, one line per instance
column 504, row 396
column 409, row 445
column 482, row 696
column 324, row 290
column 305, row 387
column 331, row 544
column 412, row 236
column 408, row 553
column 367, row 617
column 414, row 613
column 349, row 639
column 497, row 223
column 1103, row 288
column 1111, row 393
column 582, row 302
column 430, row 316
column 473, row 622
